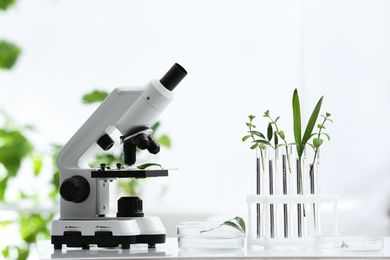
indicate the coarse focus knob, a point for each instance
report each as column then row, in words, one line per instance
column 75, row 189
column 130, row 207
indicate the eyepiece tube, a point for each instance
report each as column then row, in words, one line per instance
column 173, row 77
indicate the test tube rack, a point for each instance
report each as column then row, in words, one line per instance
column 269, row 239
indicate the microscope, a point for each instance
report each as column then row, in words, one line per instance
column 84, row 204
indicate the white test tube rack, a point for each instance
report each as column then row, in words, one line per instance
column 269, row 242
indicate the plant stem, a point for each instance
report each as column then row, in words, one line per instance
column 211, row 229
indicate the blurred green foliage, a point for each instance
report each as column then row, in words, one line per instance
column 17, row 149
column 5, row 4
column 9, row 53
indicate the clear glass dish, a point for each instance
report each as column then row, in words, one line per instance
column 208, row 235
column 349, row 243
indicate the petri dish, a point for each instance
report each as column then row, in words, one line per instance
column 208, row 235
column 349, row 243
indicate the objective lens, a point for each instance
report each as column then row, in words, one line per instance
column 154, row 147
column 141, row 141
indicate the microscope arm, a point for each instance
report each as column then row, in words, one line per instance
column 124, row 109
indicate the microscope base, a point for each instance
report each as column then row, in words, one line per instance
column 106, row 241
column 110, row 232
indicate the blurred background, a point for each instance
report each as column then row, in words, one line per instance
column 242, row 58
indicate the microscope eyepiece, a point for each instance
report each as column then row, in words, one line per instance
column 173, row 77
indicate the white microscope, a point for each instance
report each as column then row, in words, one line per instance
column 84, row 204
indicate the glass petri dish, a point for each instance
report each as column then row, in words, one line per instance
column 208, row 235
column 349, row 243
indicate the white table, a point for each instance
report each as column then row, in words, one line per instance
column 170, row 250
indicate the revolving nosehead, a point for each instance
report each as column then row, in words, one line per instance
column 141, row 139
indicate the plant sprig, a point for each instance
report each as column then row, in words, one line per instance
column 317, row 141
column 277, row 133
column 236, row 223
column 300, row 141
column 258, row 139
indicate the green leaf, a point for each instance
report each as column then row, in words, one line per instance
column 236, row 223
column 344, row 245
column 269, row 132
column 23, row 252
column 311, row 123
column 328, row 136
column 147, row 165
column 164, row 140
column 14, row 148
column 241, row 222
column 245, row 138
column 94, row 96
column 276, row 139
column 258, row 134
column 265, row 142
column 37, row 163
column 251, row 117
column 254, row 146
column 5, row 4
column 297, row 121
column 9, row 54
column 233, row 225
column 320, row 126
column 317, row 142
column 5, row 223
column 155, row 126
column 281, row 134
column 5, row 252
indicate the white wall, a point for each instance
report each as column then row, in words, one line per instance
column 347, row 59
column 243, row 57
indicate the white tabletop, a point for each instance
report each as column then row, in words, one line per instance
column 170, row 250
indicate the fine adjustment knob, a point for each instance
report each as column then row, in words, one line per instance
column 130, row 207
column 75, row 189
column 105, row 142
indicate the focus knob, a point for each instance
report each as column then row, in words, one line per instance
column 75, row 189
column 130, row 207
column 105, row 142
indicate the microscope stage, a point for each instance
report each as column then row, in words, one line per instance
column 129, row 173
